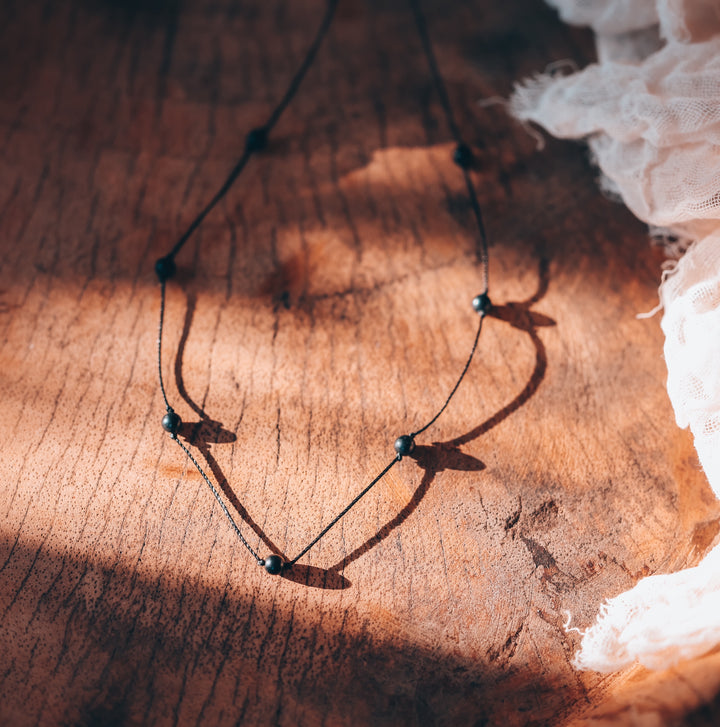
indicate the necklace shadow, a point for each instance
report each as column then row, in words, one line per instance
column 432, row 459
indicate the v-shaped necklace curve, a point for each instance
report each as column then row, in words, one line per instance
column 255, row 142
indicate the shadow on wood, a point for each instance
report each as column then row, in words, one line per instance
column 117, row 640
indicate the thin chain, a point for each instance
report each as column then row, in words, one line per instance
column 215, row 492
column 256, row 141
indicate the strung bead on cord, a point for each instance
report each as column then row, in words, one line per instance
column 404, row 445
column 463, row 156
column 273, row 564
column 171, row 423
column 481, row 303
column 256, row 140
column 165, row 268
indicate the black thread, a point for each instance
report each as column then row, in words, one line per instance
column 159, row 345
column 292, row 89
column 255, row 142
column 274, row 117
column 342, row 514
column 214, row 491
column 457, row 383
column 481, row 251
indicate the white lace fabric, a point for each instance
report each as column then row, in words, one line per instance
column 650, row 112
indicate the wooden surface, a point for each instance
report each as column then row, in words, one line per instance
column 322, row 310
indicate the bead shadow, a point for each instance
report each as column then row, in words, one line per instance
column 308, row 575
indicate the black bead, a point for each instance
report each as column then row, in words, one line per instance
column 165, row 268
column 256, row 140
column 171, row 422
column 463, row 156
column 481, row 303
column 273, row 564
column 404, row 445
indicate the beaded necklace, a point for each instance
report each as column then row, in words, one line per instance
column 255, row 142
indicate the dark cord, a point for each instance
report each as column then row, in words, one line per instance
column 304, row 66
column 159, row 347
column 234, row 174
column 345, row 511
column 457, row 383
column 421, row 25
column 165, row 267
column 481, row 251
column 440, row 87
column 256, row 141
column 215, row 492
column 263, row 131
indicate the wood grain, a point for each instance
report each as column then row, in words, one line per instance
column 320, row 311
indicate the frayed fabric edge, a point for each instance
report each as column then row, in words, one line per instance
column 526, row 95
column 632, row 628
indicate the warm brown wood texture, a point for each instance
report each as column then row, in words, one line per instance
column 321, row 310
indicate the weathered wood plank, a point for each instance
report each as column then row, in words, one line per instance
column 322, row 310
